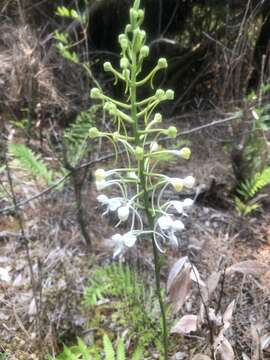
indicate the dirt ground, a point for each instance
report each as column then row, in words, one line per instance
column 54, row 268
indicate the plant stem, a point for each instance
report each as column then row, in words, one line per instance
column 156, row 262
column 147, row 205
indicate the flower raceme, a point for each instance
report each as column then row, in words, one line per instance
column 138, row 134
column 166, row 226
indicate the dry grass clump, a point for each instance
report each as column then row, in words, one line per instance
column 32, row 72
column 24, row 78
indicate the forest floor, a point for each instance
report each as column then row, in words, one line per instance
column 53, row 270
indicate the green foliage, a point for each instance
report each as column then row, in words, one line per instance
column 256, row 157
column 251, row 187
column 31, row 162
column 76, row 136
column 3, row 356
column 135, row 305
column 82, row 352
column 115, row 280
column 68, row 13
column 244, row 208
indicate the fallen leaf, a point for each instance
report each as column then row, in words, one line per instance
column 185, row 325
column 227, row 316
column 4, row 274
column 179, row 289
column 212, row 282
column 265, row 342
column 201, row 357
column 175, row 270
column 223, row 347
column 249, row 267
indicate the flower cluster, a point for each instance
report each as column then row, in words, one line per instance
column 139, row 133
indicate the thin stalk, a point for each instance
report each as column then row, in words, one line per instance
column 147, row 205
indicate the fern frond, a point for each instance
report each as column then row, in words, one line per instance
column 108, row 348
column 31, row 162
column 120, row 350
column 76, row 136
column 243, row 208
column 83, row 350
column 138, row 354
column 251, row 187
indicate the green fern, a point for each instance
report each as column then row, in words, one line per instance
column 31, row 162
column 82, row 352
column 77, row 137
column 108, row 348
column 251, row 187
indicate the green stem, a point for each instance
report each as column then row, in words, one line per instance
column 147, row 205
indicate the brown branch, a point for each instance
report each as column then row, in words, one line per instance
column 10, row 209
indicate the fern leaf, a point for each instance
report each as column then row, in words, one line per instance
column 69, row 354
column 138, row 354
column 108, row 348
column 77, row 135
column 83, row 350
column 251, row 187
column 31, row 162
column 120, row 351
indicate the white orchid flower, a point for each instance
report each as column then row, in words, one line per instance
column 179, row 206
column 123, row 213
column 112, row 204
column 189, row 182
column 123, row 242
column 177, row 183
column 168, row 228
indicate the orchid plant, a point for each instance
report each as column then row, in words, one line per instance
column 138, row 132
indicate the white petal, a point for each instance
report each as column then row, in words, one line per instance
column 103, row 199
column 129, row 239
column 178, row 225
column 165, row 222
column 178, row 205
column 117, row 238
column 188, row 202
column 173, row 240
column 114, row 204
column 118, row 251
column 132, row 175
column 101, row 184
column 189, row 182
column 153, row 146
column 123, row 213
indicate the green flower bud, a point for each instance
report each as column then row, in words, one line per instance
column 169, row 94
column 142, row 34
column 140, row 15
column 162, row 63
column 93, row 133
column 107, row 66
column 126, row 74
column 95, row 93
column 110, row 107
column 158, row 118
column 121, row 37
column 172, row 132
column 128, row 28
column 139, row 153
column 185, row 153
column 160, row 93
column 124, row 44
column 116, row 136
column 133, row 14
column 124, row 63
column 144, row 52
